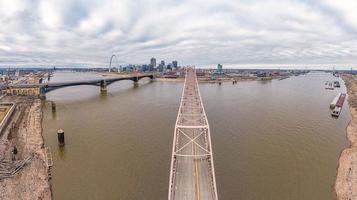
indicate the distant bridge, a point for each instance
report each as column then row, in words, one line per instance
column 43, row 88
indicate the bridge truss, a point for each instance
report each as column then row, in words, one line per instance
column 192, row 173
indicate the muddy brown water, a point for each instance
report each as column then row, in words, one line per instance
column 271, row 140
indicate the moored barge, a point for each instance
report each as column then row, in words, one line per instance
column 337, row 110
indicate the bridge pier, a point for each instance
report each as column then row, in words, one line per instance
column 103, row 86
column 53, row 105
column 60, row 137
column 136, row 82
column 42, row 93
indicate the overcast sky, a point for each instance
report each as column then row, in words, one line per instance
column 200, row 32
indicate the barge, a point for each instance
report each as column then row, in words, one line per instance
column 337, row 110
column 329, row 85
column 336, row 84
column 334, row 101
column 285, row 77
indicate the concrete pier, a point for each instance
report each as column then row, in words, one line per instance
column 103, row 86
column 42, row 94
column 60, row 136
column 53, row 105
column 136, row 81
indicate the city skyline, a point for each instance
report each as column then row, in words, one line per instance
column 257, row 33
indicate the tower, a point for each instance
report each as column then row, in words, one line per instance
column 153, row 62
column 219, row 69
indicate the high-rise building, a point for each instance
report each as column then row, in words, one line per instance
column 174, row 64
column 163, row 63
column 153, row 62
column 151, row 68
column 219, row 69
column 160, row 68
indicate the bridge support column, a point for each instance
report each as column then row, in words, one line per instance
column 60, row 137
column 53, row 105
column 136, row 82
column 152, row 78
column 103, row 86
column 42, row 93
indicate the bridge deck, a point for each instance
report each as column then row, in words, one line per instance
column 192, row 169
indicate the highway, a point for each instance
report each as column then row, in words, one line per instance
column 192, row 170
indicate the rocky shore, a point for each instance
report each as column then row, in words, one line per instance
column 346, row 180
column 25, row 132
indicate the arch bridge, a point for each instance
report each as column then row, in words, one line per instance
column 101, row 82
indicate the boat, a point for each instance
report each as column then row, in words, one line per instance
column 329, row 86
column 336, row 84
column 334, row 101
column 341, row 100
column 282, row 78
column 337, row 110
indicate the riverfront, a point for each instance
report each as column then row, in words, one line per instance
column 346, row 180
column 24, row 131
column 271, row 139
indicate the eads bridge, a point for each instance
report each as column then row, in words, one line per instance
column 42, row 88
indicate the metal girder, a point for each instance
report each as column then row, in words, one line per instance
column 192, row 173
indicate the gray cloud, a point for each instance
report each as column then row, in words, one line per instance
column 258, row 32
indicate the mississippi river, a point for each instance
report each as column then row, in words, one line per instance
column 271, row 139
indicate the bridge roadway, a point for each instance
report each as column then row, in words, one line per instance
column 192, row 170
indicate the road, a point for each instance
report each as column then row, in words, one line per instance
column 192, row 170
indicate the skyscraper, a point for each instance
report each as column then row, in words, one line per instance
column 219, row 69
column 174, row 64
column 153, row 62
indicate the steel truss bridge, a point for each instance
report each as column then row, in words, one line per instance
column 192, row 173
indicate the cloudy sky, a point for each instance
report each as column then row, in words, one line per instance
column 200, row 32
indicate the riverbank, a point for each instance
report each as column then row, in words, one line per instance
column 203, row 80
column 25, row 132
column 346, row 181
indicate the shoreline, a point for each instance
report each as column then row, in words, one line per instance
column 32, row 181
column 206, row 80
column 346, row 180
